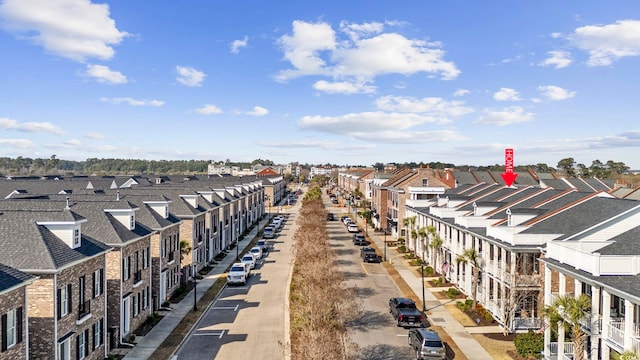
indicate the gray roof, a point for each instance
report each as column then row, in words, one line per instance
column 557, row 184
column 11, row 277
column 28, row 246
column 487, row 177
column 464, row 177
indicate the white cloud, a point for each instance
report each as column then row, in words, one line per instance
column 208, row 109
column 558, row 58
column 316, row 49
column 132, row 102
column 236, row 45
column 30, row 127
column 356, row 31
column 461, row 92
column 608, row 43
column 17, row 143
column 410, row 137
column 94, row 135
column 358, row 123
column 73, row 143
column 258, row 111
column 103, row 74
column 74, row 29
column 189, row 76
column 557, row 93
column 434, row 106
column 343, row 87
column 506, row 94
column 507, row 116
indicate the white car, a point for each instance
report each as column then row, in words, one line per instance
column 264, row 245
column 353, row 228
column 238, row 274
column 249, row 259
column 256, row 251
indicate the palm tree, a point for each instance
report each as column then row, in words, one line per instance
column 422, row 233
column 471, row 256
column 435, row 243
column 570, row 311
column 185, row 249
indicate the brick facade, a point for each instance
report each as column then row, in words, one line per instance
column 133, row 288
column 46, row 329
column 169, row 263
column 15, row 300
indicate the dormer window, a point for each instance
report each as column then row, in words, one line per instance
column 76, row 238
column 133, row 221
column 425, row 182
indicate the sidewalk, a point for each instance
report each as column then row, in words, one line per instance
column 438, row 315
column 147, row 344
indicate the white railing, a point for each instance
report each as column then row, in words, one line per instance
column 527, row 323
column 635, row 344
column 615, row 332
column 567, row 350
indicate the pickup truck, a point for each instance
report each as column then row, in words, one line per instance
column 405, row 313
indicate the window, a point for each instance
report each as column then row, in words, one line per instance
column 11, row 328
column 145, row 258
column 64, row 301
column 126, row 271
column 133, row 221
column 136, row 304
column 81, row 288
column 425, row 182
column 163, row 248
column 76, row 238
column 145, row 297
column 82, row 348
column 97, row 333
column 98, row 280
column 64, row 350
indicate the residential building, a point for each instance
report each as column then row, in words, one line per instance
column 14, row 313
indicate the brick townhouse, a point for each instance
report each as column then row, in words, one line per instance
column 13, row 311
column 128, row 269
column 66, row 304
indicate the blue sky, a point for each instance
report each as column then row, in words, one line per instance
column 345, row 82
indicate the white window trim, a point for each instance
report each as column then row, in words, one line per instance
column 64, row 302
column 67, row 349
column 12, row 335
column 82, row 344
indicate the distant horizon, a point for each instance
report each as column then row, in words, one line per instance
column 318, row 81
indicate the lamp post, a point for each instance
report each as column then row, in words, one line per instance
column 195, row 283
column 424, row 306
column 385, row 245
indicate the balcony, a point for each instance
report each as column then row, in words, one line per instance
column 84, row 311
column 530, row 280
column 616, row 333
column 567, row 351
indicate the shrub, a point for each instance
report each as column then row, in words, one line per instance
column 402, row 248
column 452, row 293
column 401, row 241
column 464, row 306
column 529, row 344
column 428, row 271
column 416, row 262
column 437, row 282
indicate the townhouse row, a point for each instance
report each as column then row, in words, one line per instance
column 85, row 261
column 531, row 244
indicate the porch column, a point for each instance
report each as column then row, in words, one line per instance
column 595, row 314
column 560, row 340
column 629, row 330
column 562, row 286
column 606, row 318
column 547, row 286
column 577, row 287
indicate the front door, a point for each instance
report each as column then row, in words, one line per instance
column 163, row 287
column 126, row 314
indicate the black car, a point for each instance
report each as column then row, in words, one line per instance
column 369, row 255
column 360, row 240
column 330, row 217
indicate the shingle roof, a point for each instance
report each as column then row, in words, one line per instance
column 11, row 277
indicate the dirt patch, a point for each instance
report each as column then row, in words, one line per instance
column 460, row 316
column 498, row 346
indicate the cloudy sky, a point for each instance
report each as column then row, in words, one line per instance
column 324, row 81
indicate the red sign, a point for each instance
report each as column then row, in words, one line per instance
column 509, row 177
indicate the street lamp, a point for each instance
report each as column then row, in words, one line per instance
column 195, row 283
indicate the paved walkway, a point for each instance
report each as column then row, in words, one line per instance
column 147, row 344
column 438, row 315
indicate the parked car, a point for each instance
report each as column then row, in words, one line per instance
column 330, row 217
column 238, row 273
column 405, row 313
column 344, row 218
column 359, row 239
column 353, row 228
column 256, row 251
column 427, row 344
column 268, row 232
column 264, row 244
column 369, row 255
column 249, row 259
